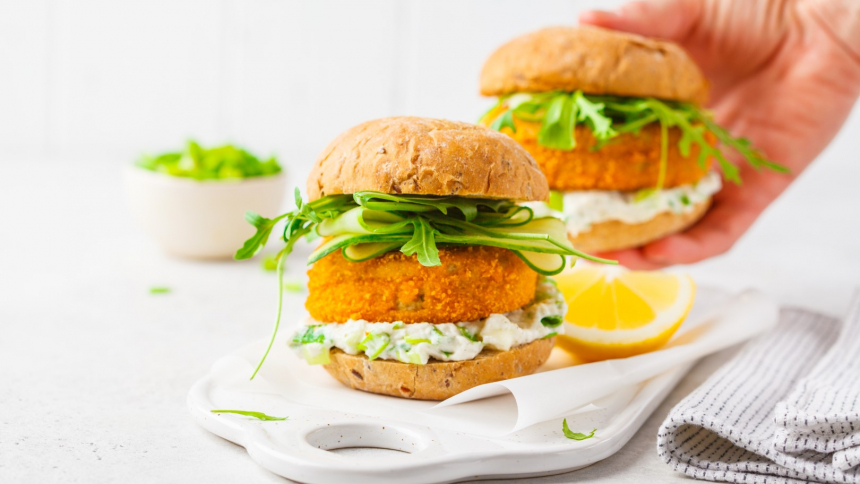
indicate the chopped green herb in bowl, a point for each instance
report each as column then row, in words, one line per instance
column 218, row 163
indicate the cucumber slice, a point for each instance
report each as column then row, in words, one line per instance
column 346, row 223
column 380, row 216
column 340, row 241
column 360, row 220
column 544, row 246
column 544, row 264
column 547, row 225
column 366, row 251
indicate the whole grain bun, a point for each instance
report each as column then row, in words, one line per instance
column 421, row 156
column 437, row 380
column 596, row 61
column 615, row 235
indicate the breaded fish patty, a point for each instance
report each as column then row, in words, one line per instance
column 472, row 283
column 630, row 161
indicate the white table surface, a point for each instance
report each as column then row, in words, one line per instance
column 94, row 370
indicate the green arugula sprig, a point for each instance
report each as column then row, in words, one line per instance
column 256, row 415
column 575, row 435
column 609, row 116
column 219, row 163
column 369, row 224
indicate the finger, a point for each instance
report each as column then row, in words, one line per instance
column 633, row 259
column 667, row 19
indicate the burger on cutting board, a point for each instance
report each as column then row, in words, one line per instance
column 615, row 122
column 430, row 277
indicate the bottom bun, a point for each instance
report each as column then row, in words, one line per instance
column 437, row 380
column 615, row 235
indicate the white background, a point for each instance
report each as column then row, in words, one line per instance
column 93, row 370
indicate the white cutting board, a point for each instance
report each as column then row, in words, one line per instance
column 323, row 417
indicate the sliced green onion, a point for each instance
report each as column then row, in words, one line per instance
column 552, row 321
column 466, row 334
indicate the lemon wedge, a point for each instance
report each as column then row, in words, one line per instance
column 616, row 313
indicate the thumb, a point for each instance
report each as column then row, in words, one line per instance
column 666, row 19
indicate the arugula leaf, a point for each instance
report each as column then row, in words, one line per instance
column 423, row 244
column 256, row 243
column 592, row 114
column 557, row 130
column 506, row 120
column 256, row 415
column 575, row 435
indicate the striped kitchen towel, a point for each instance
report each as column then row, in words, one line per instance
column 786, row 409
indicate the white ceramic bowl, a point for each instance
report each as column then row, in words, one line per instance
column 200, row 219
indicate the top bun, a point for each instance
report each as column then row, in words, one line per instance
column 595, row 61
column 421, row 156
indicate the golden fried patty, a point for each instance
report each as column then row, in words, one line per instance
column 472, row 283
column 629, row 161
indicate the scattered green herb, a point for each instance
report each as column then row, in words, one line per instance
column 159, row 290
column 550, row 335
column 609, row 116
column 466, row 334
column 575, row 435
column 553, row 321
column 256, row 415
column 220, row 163
column 294, row 286
column 375, row 343
column 309, row 336
column 270, row 263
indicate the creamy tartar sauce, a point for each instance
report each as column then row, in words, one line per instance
column 582, row 209
column 418, row 342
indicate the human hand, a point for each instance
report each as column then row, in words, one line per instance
column 784, row 74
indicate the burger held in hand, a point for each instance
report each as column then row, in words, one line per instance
column 430, row 277
column 615, row 122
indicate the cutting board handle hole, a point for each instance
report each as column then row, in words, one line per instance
column 346, row 439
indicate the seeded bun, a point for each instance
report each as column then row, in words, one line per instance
column 615, row 235
column 421, row 156
column 596, row 61
column 437, row 380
